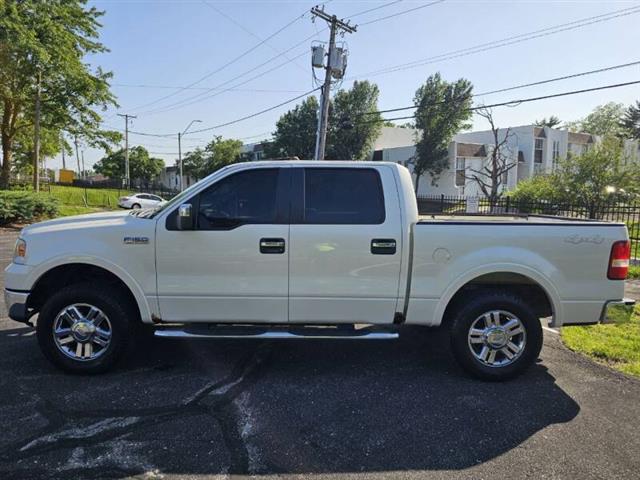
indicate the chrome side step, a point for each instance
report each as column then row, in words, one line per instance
column 277, row 332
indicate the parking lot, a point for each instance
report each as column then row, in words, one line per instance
column 338, row 409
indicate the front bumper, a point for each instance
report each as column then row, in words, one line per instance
column 617, row 311
column 16, row 304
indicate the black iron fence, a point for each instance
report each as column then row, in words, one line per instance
column 613, row 211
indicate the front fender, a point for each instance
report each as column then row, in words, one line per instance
column 143, row 305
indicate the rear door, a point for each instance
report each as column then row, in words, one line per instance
column 345, row 245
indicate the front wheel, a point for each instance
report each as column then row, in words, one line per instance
column 84, row 328
column 495, row 334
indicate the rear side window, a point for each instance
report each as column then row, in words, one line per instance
column 244, row 197
column 343, row 196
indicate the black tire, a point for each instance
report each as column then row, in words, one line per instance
column 464, row 316
column 136, row 206
column 109, row 300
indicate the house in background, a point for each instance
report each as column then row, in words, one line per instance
column 531, row 149
column 169, row 178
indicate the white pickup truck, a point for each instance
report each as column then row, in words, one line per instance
column 311, row 250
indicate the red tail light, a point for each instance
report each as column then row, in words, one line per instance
column 619, row 260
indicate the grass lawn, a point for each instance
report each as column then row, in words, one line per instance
column 90, row 197
column 614, row 344
column 634, row 271
column 69, row 210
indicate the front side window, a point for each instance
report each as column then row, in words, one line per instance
column 343, row 196
column 244, row 197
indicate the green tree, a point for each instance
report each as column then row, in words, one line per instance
column 550, row 122
column 603, row 120
column 631, row 120
column 598, row 176
column 218, row 153
column 194, row 164
column 354, row 122
column 442, row 111
column 49, row 39
column 295, row 134
column 354, row 125
column 141, row 165
column 222, row 152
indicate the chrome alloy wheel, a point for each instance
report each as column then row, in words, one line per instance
column 82, row 332
column 497, row 338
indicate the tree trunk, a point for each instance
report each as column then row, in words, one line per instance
column 9, row 119
column 417, row 182
column 7, row 153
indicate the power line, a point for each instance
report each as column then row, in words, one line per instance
column 203, row 96
column 174, row 87
column 400, row 13
column 505, row 41
column 524, row 100
column 357, row 14
column 227, row 64
column 243, row 28
column 524, row 85
column 257, row 113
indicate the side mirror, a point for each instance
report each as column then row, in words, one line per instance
column 185, row 217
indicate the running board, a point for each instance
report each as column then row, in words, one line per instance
column 277, row 332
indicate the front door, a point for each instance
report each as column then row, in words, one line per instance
column 345, row 245
column 233, row 267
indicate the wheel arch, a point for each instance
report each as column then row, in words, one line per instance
column 515, row 278
column 60, row 274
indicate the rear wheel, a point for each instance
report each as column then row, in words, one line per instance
column 85, row 328
column 495, row 335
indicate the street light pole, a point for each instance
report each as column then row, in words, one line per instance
column 180, row 151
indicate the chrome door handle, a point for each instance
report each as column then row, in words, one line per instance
column 383, row 246
column 272, row 245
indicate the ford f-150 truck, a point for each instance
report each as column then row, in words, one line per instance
column 311, row 250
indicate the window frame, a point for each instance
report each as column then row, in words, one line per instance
column 282, row 217
column 298, row 199
column 536, row 149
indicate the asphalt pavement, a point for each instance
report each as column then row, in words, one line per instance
column 300, row 409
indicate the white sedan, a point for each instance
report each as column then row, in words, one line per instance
column 141, row 200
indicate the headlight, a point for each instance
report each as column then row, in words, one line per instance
column 20, row 251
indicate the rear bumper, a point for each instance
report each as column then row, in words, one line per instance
column 16, row 304
column 615, row 311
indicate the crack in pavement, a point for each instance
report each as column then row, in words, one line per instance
column 70, row 429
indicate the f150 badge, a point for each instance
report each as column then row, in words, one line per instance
column 136, row 240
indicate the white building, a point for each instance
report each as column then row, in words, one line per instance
column 531, row 149
column 169, row 178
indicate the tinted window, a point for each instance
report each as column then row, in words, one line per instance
column 343, row 196
column 245, row 197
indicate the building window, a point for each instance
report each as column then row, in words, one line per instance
column 539, row 150
column 460, row 172
column 556, row 153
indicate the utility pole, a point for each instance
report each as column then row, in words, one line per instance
column 180, row 158
column 126, row 147
column 36, row 136
column 323, row 120
column 84, row 172
column 75, row 141
column 64, row 161
column 180, row 150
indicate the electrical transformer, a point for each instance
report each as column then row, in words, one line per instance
column 317, row 56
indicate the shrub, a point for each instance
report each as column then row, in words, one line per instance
column 22, row 206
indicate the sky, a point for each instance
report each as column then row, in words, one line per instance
column 163, row 53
